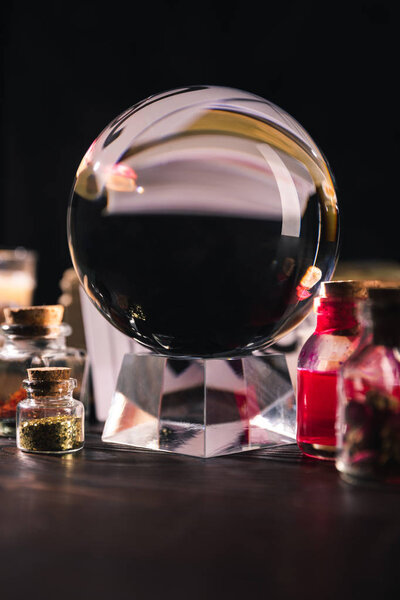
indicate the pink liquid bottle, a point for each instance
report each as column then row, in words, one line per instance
column 368, row 424
column 336, row 335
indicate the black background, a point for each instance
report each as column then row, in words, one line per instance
column 69, row 68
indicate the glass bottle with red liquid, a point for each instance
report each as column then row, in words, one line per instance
column 333, row 341
column 368, row 425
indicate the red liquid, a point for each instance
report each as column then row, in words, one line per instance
column 316, row 408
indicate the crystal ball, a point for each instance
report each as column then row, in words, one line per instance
column 202, row 221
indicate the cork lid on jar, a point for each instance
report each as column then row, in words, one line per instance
column 49, row 381
column 49, row 374
column 35, row 316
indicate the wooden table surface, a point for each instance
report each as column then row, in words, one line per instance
column 114, row 523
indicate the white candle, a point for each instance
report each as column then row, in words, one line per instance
column 16, row 288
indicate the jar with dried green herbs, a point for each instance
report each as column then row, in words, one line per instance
column 50, row 420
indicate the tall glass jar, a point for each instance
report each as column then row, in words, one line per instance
column 334, row 339
column 35, row 337
column 50, row 420
column 368, row 427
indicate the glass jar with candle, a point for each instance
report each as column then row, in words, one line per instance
column 334, row 339
column 50, row 420
column 35, row 336
column 368, row 427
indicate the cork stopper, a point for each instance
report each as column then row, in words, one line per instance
column 49, row 374
column 353, row 289
column 35, row 316
column 344, row 289
column 384, row 314
column 385, row 295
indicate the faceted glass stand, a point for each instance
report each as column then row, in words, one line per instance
column 202, row 407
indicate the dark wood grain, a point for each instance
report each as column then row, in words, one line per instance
column 115, row 523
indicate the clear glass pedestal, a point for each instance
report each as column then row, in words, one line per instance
column 202, row 407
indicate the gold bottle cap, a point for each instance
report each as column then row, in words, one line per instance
column 49, row 374
column 35, row 316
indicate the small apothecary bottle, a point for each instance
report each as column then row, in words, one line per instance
column 336, row 336
column 368, row 427
column 49, row 420
column 35, row 337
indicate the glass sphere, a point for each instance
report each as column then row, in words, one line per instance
column 202, row 221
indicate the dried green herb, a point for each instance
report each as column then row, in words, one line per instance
column 60, row 433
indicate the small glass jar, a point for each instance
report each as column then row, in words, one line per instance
column 35, row 337
column 368, row 426
column 334, row 339
column 50, row 420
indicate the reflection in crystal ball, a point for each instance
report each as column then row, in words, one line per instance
column 202, row 221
